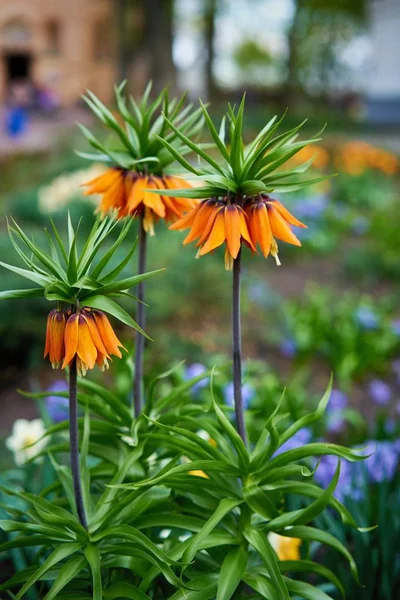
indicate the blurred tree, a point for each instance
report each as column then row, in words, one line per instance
column 145, row 35
column 254, row 61
column 326, row 21
column 157, row 40
column 210, row 14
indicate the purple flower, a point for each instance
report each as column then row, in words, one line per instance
column 390, row 426
column 396, row 366
column 289, row 348
column 380, row 392
column 367, row 318
column 299, row 439
column 335, row 422
column 382, row 463
column 311, row 208
column 337, row 401
column 396, row 327
column 247, row 394
column 57, row 407
column 351, row 480
column 194, row 370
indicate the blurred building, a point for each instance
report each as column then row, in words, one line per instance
column 383, row 86
column 58, row 48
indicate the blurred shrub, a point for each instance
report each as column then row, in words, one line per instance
column 354, row 334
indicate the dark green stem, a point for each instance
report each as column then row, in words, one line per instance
column 237, row 349
column 141, row 320
column 74, row 443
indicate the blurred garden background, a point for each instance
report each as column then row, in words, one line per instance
column 333, row 306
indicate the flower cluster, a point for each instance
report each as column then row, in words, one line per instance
column 236, row 207
column 127, row 192
column 354, row 158
column 258, row 222
column 138, row 169
column 380, row 466
column 86, row 336
column 357, row 157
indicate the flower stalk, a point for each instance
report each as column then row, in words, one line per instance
column 74, row 443
column 237, row 348
column 141, row 320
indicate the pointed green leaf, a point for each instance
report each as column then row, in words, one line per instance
column 232, row 569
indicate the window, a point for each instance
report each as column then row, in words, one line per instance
column 53, row 37
column 16, row 32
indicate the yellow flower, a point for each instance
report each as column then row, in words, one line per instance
column 287, row 548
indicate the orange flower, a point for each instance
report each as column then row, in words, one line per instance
column 126, row 192
column 86, row 336
column 269, row 219
column 54, row 346
column 214, row 222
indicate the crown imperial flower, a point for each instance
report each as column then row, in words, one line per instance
column 125, row 191
column 86, row 335
column 236, row 205
column 139, row 166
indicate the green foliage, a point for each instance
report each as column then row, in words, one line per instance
column 376, row 503
column 146, row 493
column 143, row 131
column 247, row 170
column 66, row 275
column 352, row 333
column 251, row 54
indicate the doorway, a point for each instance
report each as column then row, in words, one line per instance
column 18, row 67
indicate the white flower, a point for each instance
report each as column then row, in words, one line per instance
column 67, row 187
column 24, row 434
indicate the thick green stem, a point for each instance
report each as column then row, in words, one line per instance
column 141, row 320
column 237, row 349
column 74, row 443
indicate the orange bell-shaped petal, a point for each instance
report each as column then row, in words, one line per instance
column 108, row 337
column 71, row 338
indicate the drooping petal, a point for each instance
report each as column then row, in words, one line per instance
column 260, row 230
column 98, row 342
column 176, row 183
column 57, row 338
column 108, row 337
column 100, row 184
column 86, row 350
column 232, row 230
column 48, row 328
column 283, row 211
column 244, row 229
column 114, row 197
column 187, row 220
column 280, row 229
column 210, row 222
column 70, row 339
column 153, row 201
column 203, row 221
column 217, row 234
column 136, row 194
